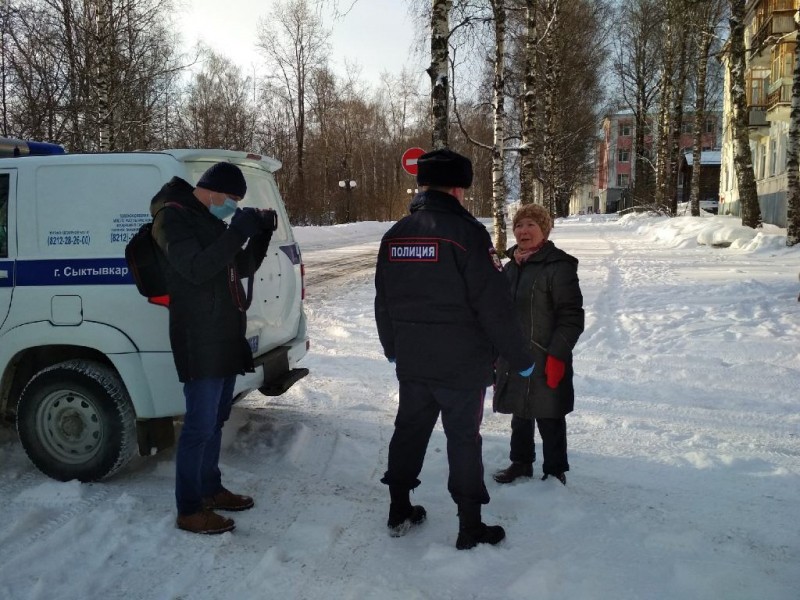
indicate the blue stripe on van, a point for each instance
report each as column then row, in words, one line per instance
column 72, row 271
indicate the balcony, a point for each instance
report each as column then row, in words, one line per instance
column 774, row 18
column 757, row 123
column 779, row 100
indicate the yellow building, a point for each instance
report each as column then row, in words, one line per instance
column 770, row 41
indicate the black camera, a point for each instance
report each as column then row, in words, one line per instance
column 269, row 219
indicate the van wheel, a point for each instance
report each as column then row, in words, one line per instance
column 76, row 421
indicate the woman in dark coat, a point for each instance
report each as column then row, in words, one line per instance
column 549, row 305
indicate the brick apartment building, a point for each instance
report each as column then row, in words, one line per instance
column 615, row 155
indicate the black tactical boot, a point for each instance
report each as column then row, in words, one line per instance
column 472, row 531
column 402, row 516
column 517, row 469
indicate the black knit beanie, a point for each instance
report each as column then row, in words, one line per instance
column 224, row 178
column 444, row 168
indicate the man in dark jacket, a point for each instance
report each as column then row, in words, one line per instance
column 204, row 261
column 442, row 307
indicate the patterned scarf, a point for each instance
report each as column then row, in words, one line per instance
column 520, row 256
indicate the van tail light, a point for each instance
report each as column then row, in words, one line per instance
column 303, row 281
column 159, row 300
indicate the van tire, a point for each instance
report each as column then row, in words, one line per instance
column 75, row 421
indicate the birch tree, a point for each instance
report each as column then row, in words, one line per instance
column 742, row 156
column 438, row 73
column 676, row 119
column 792, row 162
column 637, row 65
column 551, row 78
column 76, row 68
column 530, row 108
column 666, row 92
column 499, row 118
column 707, row 18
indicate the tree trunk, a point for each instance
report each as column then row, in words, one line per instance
column 793, row 200
column 104, row 41
column 673, row 155
column 550, row 81
column 498, row 154
column 664, row 117
column 438, row 72
column 742, row 158
column 529, row 107
column 699, row 117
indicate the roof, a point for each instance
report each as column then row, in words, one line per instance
column 707, row 157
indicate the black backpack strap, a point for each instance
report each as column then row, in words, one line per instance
column 233, row 285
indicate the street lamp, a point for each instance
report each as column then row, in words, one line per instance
column 347, row 185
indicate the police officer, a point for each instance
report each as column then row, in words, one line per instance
column 443, row 309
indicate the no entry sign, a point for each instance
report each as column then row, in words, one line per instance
column 409, row 160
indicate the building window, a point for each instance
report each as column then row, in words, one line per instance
column 773, row 156
column 625, row 129
column 623, row 155
column 710, row 127
column 757, row 80
column 623, row 179
column 782, row 61
column 687, row 126
column 782, row 146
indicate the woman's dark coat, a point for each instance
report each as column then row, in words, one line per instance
column 206, row 322
column 549, row 305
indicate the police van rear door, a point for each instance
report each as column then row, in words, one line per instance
column 7, row 240
column 275, row 312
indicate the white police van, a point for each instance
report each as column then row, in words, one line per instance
column 85, row 363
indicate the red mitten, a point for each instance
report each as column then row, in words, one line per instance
column 554, row 370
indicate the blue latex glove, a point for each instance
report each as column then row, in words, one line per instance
column 527, row 372
column 247, row 221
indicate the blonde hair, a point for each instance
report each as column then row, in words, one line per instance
column 538, row 214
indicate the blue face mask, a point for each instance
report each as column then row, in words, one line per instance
column 224, row 210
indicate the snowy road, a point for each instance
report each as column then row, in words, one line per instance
column 684, row 452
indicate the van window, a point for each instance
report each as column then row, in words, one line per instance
column 4, row 215
column 262, row 192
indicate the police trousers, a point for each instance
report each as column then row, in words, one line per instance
column 462, row 412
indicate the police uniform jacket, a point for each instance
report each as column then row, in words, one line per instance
column 442, row 303
column 549, row 304
column 207, row 319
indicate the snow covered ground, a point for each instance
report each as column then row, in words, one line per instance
column 684, row 447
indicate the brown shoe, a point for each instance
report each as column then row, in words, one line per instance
column 513, row 472
column 227, row 500
column 206, row 522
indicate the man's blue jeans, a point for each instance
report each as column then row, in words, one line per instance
column 197, row 475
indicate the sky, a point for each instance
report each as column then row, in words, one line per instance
column 376, row 34
column 684, row 450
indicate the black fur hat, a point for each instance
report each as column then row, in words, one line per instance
column 444, row 168
column 225, row 178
